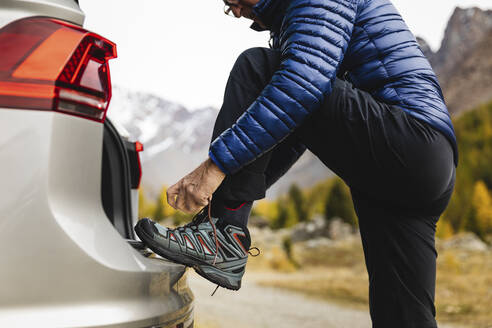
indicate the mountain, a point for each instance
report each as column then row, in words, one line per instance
column 176, row 141
column 463, row 63
column 471, row 82
column 426, row 49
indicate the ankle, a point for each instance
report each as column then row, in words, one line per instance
column 235, row 205
column 221, row 206
column 232, row 212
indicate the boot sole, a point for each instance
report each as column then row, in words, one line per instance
column 204, row 269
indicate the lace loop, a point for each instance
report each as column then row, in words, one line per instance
column 195, row 222
column 255, row 254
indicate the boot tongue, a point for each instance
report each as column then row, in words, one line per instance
column 206, row 221
column 199, row 218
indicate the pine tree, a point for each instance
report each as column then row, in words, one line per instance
column 339, row 204
column 298, row 202
column 474, row 135
column 482, row 208
column 282, row 215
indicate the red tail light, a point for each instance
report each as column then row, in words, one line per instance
column 139, row 148
column 47, row 64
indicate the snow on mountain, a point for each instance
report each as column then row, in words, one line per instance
column 176, row 140
column 160, row 124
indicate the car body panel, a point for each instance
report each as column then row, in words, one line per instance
column 64, row 263
column 68, row 10
column 69, row 267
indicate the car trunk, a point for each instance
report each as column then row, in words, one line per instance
column 116, row 186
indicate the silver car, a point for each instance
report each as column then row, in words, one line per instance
column 69, row 180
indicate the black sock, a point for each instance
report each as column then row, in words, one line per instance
column 233, row 205
column 233, row 212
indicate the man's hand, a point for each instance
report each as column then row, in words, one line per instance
column 194, row 191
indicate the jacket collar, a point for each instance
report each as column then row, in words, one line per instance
column 271, row 13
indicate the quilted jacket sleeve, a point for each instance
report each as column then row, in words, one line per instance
column 313, row 40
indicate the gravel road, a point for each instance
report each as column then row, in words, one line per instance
column 261, row 307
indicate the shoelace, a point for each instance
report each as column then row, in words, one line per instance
column 198, row 219
column 214, row 230
column 256, row 249
column 215, row 236
column 217, row 239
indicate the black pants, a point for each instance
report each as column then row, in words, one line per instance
column 400, row 172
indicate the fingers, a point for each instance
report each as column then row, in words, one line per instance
column 172, row 195
column 193, row 191
column 185, row 197
column 181, row 200
column 192, row 200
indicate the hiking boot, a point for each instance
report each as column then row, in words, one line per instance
column 194, row 245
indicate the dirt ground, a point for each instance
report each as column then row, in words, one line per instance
column 266, row 307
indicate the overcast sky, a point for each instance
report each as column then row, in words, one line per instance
column 183, row 50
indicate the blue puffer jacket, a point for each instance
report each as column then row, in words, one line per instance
column 366, row 40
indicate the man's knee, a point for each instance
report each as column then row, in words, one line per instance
column 256, row 54
column 256, row 65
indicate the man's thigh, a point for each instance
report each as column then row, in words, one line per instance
column 377, row 148
column 343, row 133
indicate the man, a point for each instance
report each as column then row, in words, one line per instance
column 347, row 80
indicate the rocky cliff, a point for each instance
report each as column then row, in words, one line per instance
column 464, row 61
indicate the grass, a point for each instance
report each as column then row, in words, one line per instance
column 464, row 288
column 343, row 286
column 338, row 274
